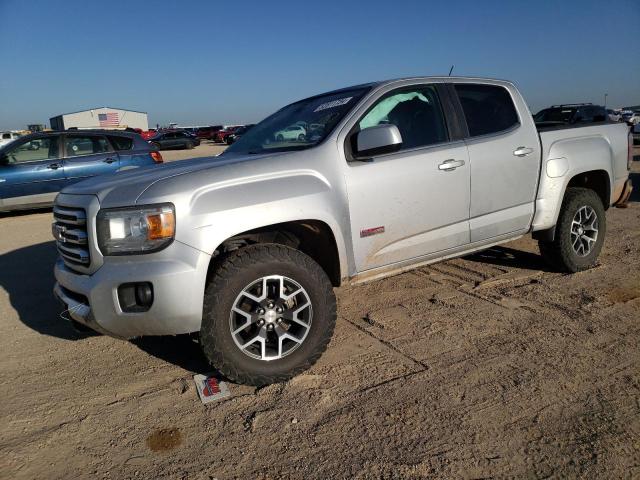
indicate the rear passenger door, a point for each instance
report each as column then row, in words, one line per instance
column 87, row 156
column 504, row 153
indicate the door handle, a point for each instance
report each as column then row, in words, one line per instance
column 451, row 164
column 108, row 160
column 53, row 166
column 522, row 151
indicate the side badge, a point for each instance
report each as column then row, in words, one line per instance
column 367, row 232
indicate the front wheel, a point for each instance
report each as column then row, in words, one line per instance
column 269, row 313
column 189, row 145
column 579, row 234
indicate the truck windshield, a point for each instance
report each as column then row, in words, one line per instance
column 300, row 125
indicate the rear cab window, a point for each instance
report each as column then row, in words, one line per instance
column 488, row 109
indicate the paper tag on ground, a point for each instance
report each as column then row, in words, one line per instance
column 210, row 389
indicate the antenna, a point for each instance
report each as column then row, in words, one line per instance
column 451, row 69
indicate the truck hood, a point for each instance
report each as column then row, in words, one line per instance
column 125, row 187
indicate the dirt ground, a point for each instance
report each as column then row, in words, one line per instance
column 491, row 366
column 206, row 149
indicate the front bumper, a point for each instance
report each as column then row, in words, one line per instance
column 177, row 273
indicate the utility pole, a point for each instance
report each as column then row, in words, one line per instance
column 605, row 100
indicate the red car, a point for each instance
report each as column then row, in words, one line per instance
column 221, row 136
column 208, row 133
column 149, row 133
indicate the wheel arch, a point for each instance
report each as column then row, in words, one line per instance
column 313, row 237
column 597, row 180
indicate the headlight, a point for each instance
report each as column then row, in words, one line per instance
column 136, row 230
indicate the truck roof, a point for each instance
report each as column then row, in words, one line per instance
column 381, row 83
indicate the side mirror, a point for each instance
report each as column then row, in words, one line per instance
column 378, row 140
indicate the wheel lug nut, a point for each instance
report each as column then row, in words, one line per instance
column 270, row 305
column 261, row 311
column 261, row 323
column 270, row 326
column 279, row 309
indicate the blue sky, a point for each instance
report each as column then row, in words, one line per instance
column 206, row 62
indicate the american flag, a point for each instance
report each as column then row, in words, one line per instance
column 108, row 119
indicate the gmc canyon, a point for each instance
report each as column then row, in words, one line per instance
column 245, row 248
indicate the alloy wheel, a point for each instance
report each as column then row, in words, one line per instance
column 584, row 230
column 271, row 317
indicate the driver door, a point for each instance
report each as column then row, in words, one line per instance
column 413, row 202
column 31, row 172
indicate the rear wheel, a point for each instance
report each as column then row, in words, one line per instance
column 579, row 234
column 269, row 313
column 279, row 138
column 189, row 145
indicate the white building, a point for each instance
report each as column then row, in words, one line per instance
column 104, row 117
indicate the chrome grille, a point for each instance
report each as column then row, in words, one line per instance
column 70, row 231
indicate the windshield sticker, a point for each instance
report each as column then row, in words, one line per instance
column 334, row 103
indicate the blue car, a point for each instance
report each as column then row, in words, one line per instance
column 34, row 168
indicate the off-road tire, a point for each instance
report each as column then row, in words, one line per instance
column 233, row 274
column 559, row 253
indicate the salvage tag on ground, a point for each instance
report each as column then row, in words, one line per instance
column 210, row 389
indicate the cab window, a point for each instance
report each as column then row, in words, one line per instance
column 415, row 111
column 34, row 150
column 487, row 108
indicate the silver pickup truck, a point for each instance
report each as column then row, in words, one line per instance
column 349, row 186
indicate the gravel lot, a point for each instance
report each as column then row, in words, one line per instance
column 205, row 149
column 487, row 366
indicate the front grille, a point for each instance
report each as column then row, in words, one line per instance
column 70, row 232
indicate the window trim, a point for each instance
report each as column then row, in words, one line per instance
column 74, row 135
column 463, row 118
column 447, row 113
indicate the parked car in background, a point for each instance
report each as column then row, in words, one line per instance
column 569, row 114
column 626, row 116
column 232, row 137
column 292, row 132
column 8, row 137
column 613, row 115
column 208, row 133
column 247, row 250
column 221, row 136
column 634, row 119
column 147, row 134
column 34, row 168
column 174, row 139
